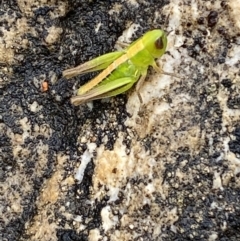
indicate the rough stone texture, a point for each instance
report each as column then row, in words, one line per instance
column 115, row 169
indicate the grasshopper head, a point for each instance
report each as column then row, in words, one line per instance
column 155, row 42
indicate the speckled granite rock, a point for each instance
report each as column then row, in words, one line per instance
column 115, row 169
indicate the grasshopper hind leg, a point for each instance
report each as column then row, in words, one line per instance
column 104, row 90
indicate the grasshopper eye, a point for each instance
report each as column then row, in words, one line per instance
column 159, row 43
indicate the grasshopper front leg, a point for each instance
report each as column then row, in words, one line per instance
column 139, row 84
column 160, row 71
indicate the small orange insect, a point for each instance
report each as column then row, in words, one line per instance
column 44, row 86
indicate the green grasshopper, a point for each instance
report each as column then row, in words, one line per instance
column 122, row 69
